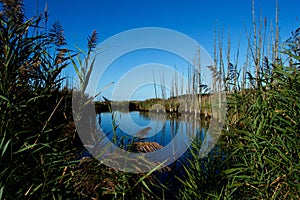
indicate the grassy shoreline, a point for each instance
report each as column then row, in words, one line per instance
column 171, row 105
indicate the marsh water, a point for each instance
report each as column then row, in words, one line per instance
column 124, row 127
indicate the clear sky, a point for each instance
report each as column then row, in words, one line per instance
column 196, row 18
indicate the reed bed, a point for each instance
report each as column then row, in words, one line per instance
column 42, row 157
column 40, row 151
column 257, row 156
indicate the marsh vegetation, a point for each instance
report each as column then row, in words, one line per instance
column 41, row 156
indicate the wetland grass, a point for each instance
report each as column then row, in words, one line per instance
column 41, row 156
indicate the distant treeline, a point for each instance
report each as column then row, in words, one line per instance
column 170, row 105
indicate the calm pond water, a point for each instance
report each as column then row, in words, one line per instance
column 151, row 127
column 160, row 128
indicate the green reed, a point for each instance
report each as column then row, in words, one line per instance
column 259, row 144
column 260, row 149
column 34, row 151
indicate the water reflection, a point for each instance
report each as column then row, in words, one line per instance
column 152, row 127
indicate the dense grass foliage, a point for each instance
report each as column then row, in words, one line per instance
column 34, row 142
column 260, row 151
column 39, row 148
column 264, row 141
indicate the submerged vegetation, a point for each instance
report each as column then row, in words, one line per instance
column 42, row 157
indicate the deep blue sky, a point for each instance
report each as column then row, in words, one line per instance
column 195, row 18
